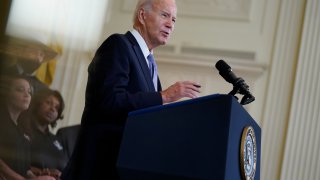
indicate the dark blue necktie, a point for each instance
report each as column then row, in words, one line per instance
column 153, row 70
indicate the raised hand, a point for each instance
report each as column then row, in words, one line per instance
column 180, row 90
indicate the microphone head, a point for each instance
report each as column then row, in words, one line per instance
column 222, row 66
column 226, row 72
column 239, row 85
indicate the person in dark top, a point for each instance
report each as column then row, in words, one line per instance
column 47, row 153
column 68, row 137
column 15, row 97
column 14, row 144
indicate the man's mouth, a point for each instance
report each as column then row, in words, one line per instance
column 165, row 33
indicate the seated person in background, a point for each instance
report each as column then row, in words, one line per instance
column 15, row 97
column 68, row 137
column 47, row 154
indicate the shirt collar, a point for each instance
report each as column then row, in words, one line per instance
column 142, row 43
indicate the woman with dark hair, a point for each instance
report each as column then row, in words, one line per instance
column 15, row 93
column 47, row 153
column 15, row 96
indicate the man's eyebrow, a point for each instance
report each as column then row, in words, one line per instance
column 168, row 13
column 164, row 11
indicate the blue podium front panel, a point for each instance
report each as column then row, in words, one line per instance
column 193, row 139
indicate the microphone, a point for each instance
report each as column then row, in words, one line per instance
column 239, row 85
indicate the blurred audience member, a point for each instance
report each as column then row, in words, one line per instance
column 15, row 93
column 47, row 153
column 15, row 97
column 68, row 137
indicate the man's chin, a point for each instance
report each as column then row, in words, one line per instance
column 164, row 42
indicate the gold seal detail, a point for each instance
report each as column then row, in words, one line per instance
column 248, row 153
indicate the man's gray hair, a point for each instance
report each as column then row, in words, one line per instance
column 146, row 4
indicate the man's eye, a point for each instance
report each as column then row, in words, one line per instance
column 164, row 14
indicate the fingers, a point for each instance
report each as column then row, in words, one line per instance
column 43, row 174
column 189, row 88
column 192, row 86
column 30, row 174
column 180, row 90
column 45, row 178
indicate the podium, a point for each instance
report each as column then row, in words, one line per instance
column 197, row 139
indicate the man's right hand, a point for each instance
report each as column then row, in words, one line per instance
column 180, row 90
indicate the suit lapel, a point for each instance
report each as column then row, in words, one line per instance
column 141, row 59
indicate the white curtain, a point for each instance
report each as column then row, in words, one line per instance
column 76, row 26
column 71, row 21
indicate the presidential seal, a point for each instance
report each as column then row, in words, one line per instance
column 248, row 154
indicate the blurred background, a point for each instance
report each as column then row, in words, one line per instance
column 273, row 44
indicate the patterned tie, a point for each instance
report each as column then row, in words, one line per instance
column 153, row 71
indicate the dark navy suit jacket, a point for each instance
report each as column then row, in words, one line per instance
column 119, row 81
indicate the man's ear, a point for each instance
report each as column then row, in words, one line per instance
column 142, row 16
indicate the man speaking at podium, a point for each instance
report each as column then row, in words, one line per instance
column 122, row 78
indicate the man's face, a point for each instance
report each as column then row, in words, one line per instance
column 159, row 22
